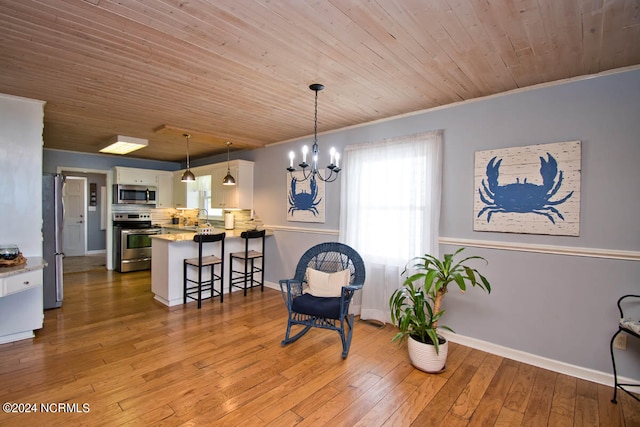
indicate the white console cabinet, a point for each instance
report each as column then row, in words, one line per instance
column 21, row 304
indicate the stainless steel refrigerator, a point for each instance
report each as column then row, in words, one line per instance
column 52, row 221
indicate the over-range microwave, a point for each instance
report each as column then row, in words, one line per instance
column 134, row 194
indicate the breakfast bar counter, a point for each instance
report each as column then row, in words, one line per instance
column 168, row 252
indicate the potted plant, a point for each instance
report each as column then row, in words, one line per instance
column 416, row 305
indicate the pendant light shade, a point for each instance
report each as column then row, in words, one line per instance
column 228, row 180
column 188, row 176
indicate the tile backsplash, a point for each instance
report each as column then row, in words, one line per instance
column 161, row 216
column 242, row 218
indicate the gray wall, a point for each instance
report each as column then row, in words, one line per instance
column 555, row 306
column 51, row 159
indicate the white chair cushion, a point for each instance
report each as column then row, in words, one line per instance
column 321, row 284
column 631, row 324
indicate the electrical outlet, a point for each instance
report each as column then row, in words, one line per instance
column 620, row 342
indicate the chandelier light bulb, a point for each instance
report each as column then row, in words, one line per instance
column 292, row 155
column 305, row 150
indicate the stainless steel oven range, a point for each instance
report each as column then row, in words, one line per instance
column 132, row 241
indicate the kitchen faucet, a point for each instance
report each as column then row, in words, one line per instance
column 206, row 214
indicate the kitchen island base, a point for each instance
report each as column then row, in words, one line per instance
column 168, row 253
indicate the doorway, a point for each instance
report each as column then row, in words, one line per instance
column 74, row 232
column 97, row 240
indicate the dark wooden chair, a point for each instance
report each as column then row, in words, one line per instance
column 628, row 326
column 309, row 311
column 252, row 263
column 193, row 288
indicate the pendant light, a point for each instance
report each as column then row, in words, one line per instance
column 228, row 180
column 188, row 176
column 313, row 173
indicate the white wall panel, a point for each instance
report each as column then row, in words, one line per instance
column 21, row 124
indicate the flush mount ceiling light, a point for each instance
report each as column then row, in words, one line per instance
column 187, row 176
column 120, row 144
column 228, row 180
column 334, row 168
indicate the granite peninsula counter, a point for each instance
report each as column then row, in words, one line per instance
column 168, row 252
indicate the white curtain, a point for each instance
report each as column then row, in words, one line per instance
column 389, row 210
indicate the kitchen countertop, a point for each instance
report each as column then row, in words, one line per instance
column 33, row 263
column 188, row 235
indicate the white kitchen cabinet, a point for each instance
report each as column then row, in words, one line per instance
column 179, row 191
column 185, row 194
column 209, row 193
column 135, row 176
column 165, row 189
column 239, row 196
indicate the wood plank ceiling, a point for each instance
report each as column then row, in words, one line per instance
column 239, row 70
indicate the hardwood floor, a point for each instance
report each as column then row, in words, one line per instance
column 131, row 361
column 79, row 264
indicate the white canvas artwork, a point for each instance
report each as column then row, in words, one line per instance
column 533, row 189
column 305, row 198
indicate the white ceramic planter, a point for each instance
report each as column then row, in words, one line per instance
column 424, row 357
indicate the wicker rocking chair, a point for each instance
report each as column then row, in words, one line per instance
column 311, row 311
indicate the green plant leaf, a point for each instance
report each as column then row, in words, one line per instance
column 460, row 281
column 433, row 335
column 428, row 280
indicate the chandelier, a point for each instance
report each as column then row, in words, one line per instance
column 313, row 172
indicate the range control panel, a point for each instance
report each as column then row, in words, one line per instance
column 132, row 217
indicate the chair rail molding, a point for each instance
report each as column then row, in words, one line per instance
column 302, row 230
column 545, row 249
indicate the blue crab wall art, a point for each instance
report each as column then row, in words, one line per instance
column 523, row 197
column 305, row 204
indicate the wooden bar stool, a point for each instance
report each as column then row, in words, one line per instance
column 245, row 278
column 194, row 288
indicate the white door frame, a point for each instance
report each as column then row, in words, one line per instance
column 109, row 174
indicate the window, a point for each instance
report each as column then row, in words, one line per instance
column 389, row 210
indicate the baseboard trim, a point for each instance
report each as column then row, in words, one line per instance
column 97, row 252
column 272, row 285
column 16, row 337
column 539, row 361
